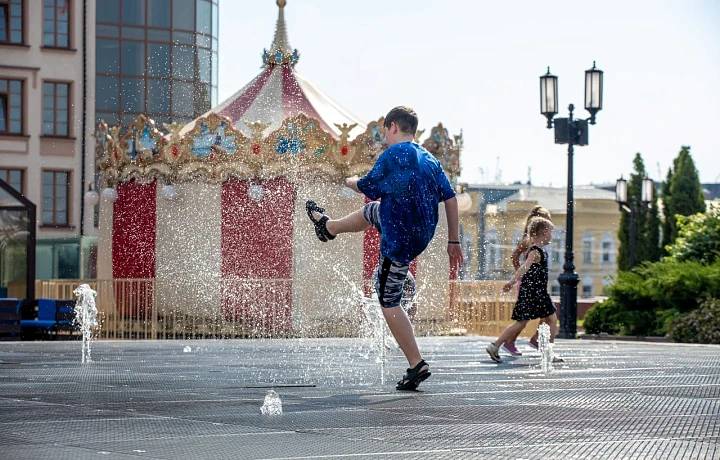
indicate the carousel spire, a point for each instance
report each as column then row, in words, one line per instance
column 280, row 52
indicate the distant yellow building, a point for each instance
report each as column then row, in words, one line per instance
column 494, row 225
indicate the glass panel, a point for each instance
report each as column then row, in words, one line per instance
column 48, row 39
column 3, row 121
column 204, row 65
column 185, row 38
column 203, row 40
column 62, row 27
column 183, row 14
column 159, row 13
column 133, row 94
column 158, row 59
column 110, row 118
column 49, row 26
column 61, row 218
column 182, row 98
column 182, row 62
column 133, row 32
column 3, row 23
column 107, row 55
column 48, row 128
column 48, row 116
column 68, row 261
column 15, row 126
column 158, row 97
column 3, row 85
column 62, row 41
column 61, row 116
column 158, row 35
column 133, row 58
column 47, row 179
column 215, row 21
column 107, row 93
column 47, row 215
column 133, row 12
column 202, row 100
column 62, row 89
column 107, row 31
column 203, row 17
column 215, row 69
column 110, row 11
column 62, row 102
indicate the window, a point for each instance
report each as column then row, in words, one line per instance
column 587, row 286
column 14, row 178
column 56, row 23
column 55, row 194
column 11, row 107
column 493, row 251
column 555, row 290
column 557, row 255
column 56, row 108
column 11, row 21
column 607, row 246
column 588, row 243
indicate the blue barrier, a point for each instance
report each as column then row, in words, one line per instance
column 10, row 319
column 53, row 316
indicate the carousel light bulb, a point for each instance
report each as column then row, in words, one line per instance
column 92, row 197
column 169, row 192
column 110, row 194
column 255, row 192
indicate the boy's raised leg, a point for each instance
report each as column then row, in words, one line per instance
column 353, row 222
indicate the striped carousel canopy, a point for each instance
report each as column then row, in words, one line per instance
column 279, row 92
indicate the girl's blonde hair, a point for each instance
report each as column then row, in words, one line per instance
column 537, row 211
column 538, row 225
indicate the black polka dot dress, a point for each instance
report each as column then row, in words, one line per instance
column 533, row 299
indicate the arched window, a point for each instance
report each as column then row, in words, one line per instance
column 588, row 247
column 557, row 255
column 607, row 249
column 587, row 286
column 555, row 289
column 493, row 251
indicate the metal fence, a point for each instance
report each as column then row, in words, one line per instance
column 253, row 308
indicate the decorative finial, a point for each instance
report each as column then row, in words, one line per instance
column 280, row 51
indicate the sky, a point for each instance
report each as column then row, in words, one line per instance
column 474, row 66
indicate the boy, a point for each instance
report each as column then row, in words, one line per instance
column 410, row 183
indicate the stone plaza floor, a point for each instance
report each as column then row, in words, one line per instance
column 153, row 400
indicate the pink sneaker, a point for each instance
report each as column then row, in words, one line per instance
column 533, row 344
column 510, row 348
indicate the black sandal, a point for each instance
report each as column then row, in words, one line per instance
column 320, row 225
column 413, row 377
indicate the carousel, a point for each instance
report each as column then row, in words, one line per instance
column 214, row 211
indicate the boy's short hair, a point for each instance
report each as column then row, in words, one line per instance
column 538, row 225
column 404, row 117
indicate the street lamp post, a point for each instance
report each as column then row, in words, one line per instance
column 573, row 132
column 646, row 196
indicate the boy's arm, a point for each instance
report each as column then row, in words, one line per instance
column 351, row 182
column 532, row 257
column 454, row 249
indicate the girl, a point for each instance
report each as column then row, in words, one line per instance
column 522, row 247
column 533, row 299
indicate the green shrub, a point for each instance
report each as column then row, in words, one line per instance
column 698, row 237
column 646, row 300
column 700, row 326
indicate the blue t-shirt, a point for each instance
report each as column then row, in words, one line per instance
column 410, row 183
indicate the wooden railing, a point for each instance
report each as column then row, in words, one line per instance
column 241, row 308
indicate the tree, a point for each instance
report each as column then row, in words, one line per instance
column 647, row 223
column 667, row 198
column 685, row 193
column 698, row 237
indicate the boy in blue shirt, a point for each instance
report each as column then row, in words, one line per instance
column 410, row 183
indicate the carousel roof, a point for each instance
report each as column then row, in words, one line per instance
column 279, row 92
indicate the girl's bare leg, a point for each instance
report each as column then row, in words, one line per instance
column 511, row 330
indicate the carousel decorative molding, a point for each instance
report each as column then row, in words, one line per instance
column 213, row 150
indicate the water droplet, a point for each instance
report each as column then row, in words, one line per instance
column 187, row 349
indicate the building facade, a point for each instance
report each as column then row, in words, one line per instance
column 43, row 129
column 66, row 65
column 494, row 227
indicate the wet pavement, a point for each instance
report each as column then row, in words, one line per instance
column 153, row 400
